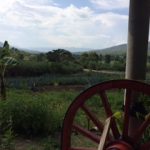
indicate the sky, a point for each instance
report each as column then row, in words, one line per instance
column 94, row 24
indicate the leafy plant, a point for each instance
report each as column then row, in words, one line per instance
column 34, row 115
column 7, row 140
column 7, row 137
column 5, row 60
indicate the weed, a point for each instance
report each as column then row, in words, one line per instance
column 7, row 140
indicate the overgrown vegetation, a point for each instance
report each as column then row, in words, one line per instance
column 33, row 115
column 87, row 79
column 31, row 112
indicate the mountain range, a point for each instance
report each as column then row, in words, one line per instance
column 71, row 49
column 118, row 49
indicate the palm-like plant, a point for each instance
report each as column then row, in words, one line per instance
column 5, row 60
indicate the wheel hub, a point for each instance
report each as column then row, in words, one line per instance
column 119, row 145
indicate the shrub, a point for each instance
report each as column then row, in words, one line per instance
column 7, row 140
column 29, row 117
column 29, row 69
column 34, row 114
column 117, row 66
column 39, row 68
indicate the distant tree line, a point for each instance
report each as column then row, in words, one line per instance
column 61, row 61
column 92, row 60
column 58, row 61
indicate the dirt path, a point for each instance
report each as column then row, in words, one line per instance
column 27, row 144
column 104, row 71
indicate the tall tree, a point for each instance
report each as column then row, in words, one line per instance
column 93, row 56
column 5, row 60
column 107, row 59
column 59, row 55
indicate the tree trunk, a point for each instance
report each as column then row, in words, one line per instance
column 3, row 88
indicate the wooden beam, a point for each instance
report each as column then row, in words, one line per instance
column 138, row 32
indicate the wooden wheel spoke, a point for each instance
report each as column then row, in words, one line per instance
column 106, row 104
column 141, row 130
column 128, row 96
column 145, row 146
column 81, row 148
column 109, row 113
column 95, row 120
column 87, row 133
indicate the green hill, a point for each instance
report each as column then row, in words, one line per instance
column 119, row 49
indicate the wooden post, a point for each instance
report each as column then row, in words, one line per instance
column 138, row 32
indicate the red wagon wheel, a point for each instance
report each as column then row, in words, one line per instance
column 99, row 96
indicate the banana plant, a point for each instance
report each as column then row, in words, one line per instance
column 5, row 61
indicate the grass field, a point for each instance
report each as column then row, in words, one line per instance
column 36, row 118
column 32, row 120
column 27, row 109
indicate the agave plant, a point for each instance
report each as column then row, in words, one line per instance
column 5, row 60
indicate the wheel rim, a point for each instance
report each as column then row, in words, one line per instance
column 100, row 89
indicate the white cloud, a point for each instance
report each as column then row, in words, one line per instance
column 40, row 2
column 45, row 23
column 111, row 4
